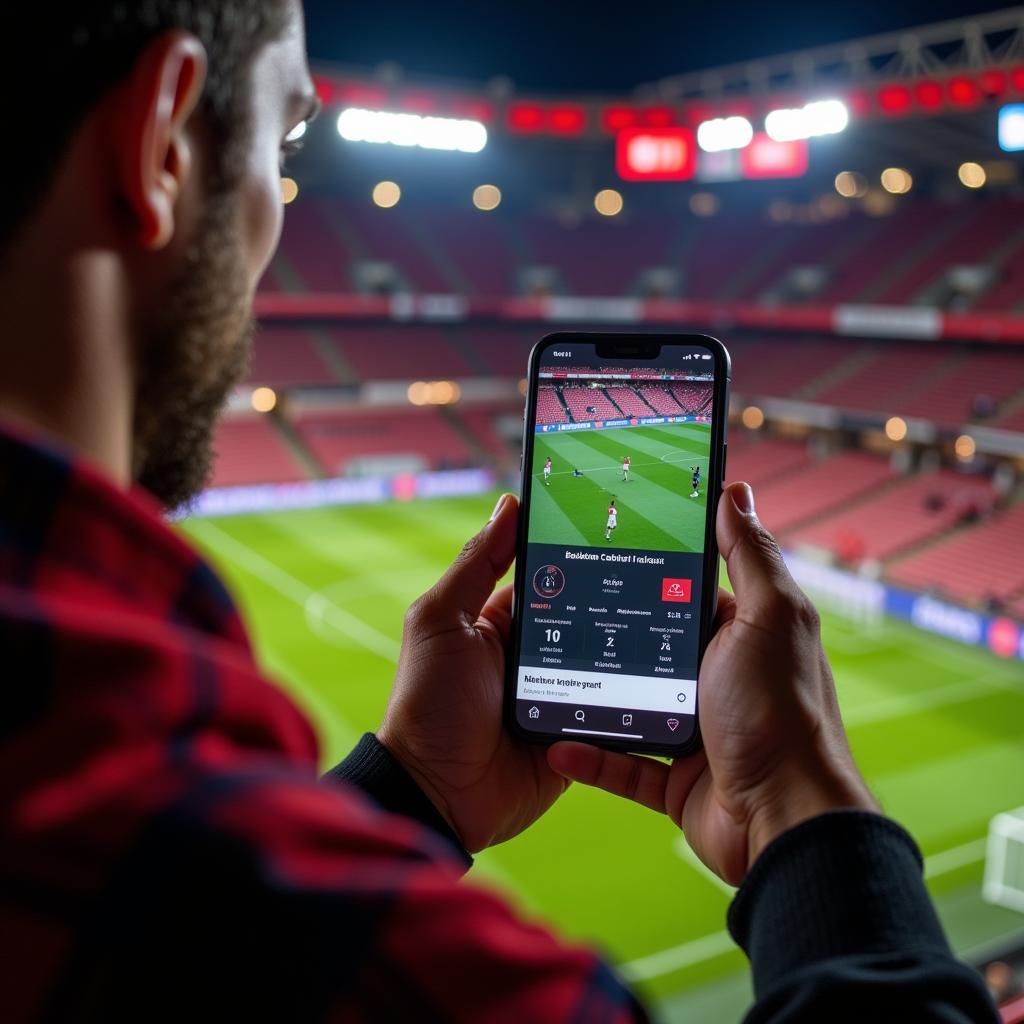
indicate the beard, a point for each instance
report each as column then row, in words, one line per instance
column 196, row 348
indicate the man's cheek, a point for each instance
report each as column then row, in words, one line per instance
column 264, row 217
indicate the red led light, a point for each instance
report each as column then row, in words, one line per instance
column 929, row 95
column 859, row 104
column 894, row 99
column 525, row 117
column 567, row 120
column 614, row 119
column 656, row 154
column 658, row 117
column 325, row 90
column 994, row 82
column 1017, row 79
column 417, row 103
column 766, row 158
column 369, row 97
column 474, row 110
column 963, row 91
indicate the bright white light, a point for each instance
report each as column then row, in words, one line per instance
column 826, row 117
column 1011, row 128
column 357, row 125
column 724, row 133
column 297, row 132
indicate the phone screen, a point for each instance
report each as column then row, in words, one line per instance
column 611, row 586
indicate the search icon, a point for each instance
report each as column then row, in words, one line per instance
column 580, row 717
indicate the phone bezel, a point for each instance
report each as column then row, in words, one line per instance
column 617, row 341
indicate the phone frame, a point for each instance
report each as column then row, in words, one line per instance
column 628, row 346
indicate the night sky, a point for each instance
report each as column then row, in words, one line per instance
column 568, row 45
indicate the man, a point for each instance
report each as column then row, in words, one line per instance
column 613, row 520
column 167, row 849
column 547, row 471
column 625, row 469
column 695, row 470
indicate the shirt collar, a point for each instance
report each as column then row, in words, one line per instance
column 68, row 532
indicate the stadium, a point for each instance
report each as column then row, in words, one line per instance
column 849, row 221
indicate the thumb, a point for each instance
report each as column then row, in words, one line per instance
column 753, row 559
column 465, row 587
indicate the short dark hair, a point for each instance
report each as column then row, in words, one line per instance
column 85, row 48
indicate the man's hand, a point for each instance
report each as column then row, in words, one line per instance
column 775, row 750
column 443, row 722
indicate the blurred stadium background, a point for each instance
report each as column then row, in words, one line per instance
column 850, row 221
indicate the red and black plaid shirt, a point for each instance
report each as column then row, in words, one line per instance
column 166, row 849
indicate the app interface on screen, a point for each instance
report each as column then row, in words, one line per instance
column 619, row 491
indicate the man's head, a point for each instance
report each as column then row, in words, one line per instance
column 152, row 158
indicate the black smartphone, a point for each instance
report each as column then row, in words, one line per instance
column 616, row 578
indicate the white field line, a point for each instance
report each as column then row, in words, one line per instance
column 685, row 852
column 617, row 467
column 359, row 632
column 942, row 696
column 708, row 947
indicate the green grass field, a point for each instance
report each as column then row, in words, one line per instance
column 655, row 510
column 935, row 727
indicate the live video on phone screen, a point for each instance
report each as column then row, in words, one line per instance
column 616, row 530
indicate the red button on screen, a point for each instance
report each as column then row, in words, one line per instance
column 676, row 590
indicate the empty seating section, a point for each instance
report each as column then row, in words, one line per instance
column 762, row 460
column 481, row 422
column 387, row 237
column 1007, row 293
column 549, row 406
column 977, row 236
column 660, row 400
column 976, row 379
column 627, row 399
column 478, row 247
column 972, row 565
column 906, row 513
column 597, row 257
column 893, row 372
column 875, row 258
column 339, row 438
column 503, row 350
column 399, row 353
column 285, row 357
column 784, row 368
column 587, row 404
column 795, row 498
column 251, row 451
column 314, row 251
column 694, row 398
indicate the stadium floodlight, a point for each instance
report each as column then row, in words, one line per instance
column 722, row 133
column 1011, row 128
column 824, row 117
column 383, row 127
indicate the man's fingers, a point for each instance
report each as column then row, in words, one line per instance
column 461, row 593
column 756, row 569
column 626, row 775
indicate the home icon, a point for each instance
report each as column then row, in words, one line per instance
column 535, row 712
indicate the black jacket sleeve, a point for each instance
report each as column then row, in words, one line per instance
column 372, row 769
column 839, row 927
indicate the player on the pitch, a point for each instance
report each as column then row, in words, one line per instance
column 547, row 471
column 625, row 469
column 696, row 482
column 613, row 520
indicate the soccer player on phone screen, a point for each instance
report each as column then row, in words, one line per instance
column 696, row 482
column 547, row 471
column 613, row 520
column 625, row 469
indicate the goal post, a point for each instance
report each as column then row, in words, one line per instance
column 1004, row 861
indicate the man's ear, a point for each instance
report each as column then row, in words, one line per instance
column 150, row 114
